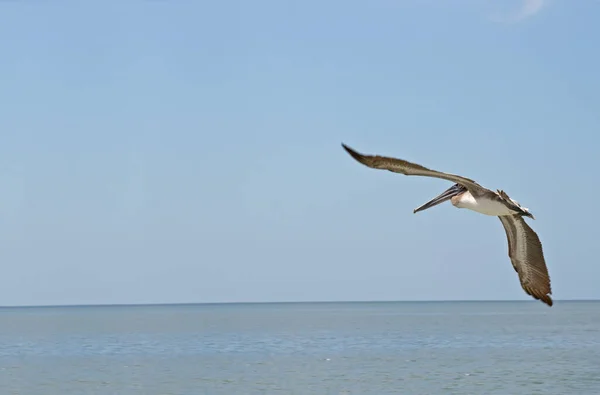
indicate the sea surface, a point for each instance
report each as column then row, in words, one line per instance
column 303, row 348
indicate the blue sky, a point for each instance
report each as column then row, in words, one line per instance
column 157, row 152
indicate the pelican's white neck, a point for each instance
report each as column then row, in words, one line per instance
column 482, row 204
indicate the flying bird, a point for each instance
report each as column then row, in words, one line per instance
column 524, row 246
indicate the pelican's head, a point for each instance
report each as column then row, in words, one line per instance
column 454, row 191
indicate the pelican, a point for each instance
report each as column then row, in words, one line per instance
column 524, row 246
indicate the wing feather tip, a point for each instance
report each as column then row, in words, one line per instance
column 348, row 149
column 548, row 300
column 359, row 157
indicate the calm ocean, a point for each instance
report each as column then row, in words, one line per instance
column 304, row 348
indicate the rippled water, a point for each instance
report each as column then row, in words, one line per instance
column 321, row 348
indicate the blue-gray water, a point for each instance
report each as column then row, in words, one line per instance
column 325, row 348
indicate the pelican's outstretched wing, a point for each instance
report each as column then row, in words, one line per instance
column 527, row 257
column 409, row 169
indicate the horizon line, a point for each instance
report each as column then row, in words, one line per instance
column 286, row 302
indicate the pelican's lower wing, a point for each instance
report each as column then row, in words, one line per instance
column 409, row 169
column 527, row 257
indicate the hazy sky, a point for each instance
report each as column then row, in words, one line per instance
column 189, row 151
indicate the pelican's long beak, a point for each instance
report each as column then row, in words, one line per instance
column 446, row 195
